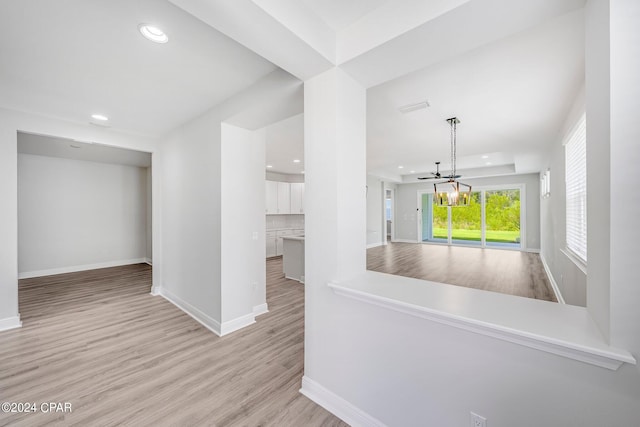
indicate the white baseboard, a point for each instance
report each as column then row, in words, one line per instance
column 236, row 324
column 375, row 245
column 404, row 241
column 75, row 268
column 554, row 285
column 148, row 261
column 260, row 309
column 10, row 323
column 206, row 321
column 335, row 404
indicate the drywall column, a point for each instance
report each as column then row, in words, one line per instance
column 597, row 84
column 625, row 156
column 9, row 317
column 243, row 271
column 335, row 205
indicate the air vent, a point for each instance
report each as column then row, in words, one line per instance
column 413, row 107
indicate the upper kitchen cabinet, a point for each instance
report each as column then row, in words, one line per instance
column 297, row 198
column 284, row 198
column 271, row 197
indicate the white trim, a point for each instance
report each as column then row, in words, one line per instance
column 586, row 345
column 260, row 309
column 238, row 323
column 148, row 261
column 10, row 323
column 554, row 284
column 346, row 411
column 404, row 241
column 75, row 268
column 206, row 321
column 375, row 245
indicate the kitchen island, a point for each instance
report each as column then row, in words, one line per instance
column 293, row 257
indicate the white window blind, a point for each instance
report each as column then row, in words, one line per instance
column 576, row 182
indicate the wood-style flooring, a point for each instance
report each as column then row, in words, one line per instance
column 120, row 356
column 505, row 271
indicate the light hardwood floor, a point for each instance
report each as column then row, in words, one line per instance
column 120, row 356
column 505, row 271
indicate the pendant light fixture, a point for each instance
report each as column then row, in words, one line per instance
column 452, row 192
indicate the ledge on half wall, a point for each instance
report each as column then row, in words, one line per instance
column 491, row 314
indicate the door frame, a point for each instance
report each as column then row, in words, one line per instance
column 393, row 214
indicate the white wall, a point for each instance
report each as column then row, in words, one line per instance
column 10, row 123
column 407, row 199
column 598, row 113
column 376, row 233
column 243, row 226
column 571, row 280
column 625, row 158
column 76, row 215
column 191, row 162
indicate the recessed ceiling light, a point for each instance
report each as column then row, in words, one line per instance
column 485, row 157
column 269, row 166
column 488, row 163
column 412, row 171
column 153, row 33
column 302, row 172
column 296, row 161
column 400, row 167
column 100, row 117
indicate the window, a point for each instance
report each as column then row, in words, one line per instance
column 576, row 182
column 492, row 219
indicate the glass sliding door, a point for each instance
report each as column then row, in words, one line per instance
column 466, row 222
column 492, row 219
column 502, row 218
column 439, row 222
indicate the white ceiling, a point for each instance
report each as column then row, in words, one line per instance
column 75, row 58
column 339, row 14
column 511, row 86
column 49, row 146
column 511, row 96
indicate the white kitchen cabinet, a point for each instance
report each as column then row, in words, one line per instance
column 271, row 197
column 297, row 198
column 271, row 239
column 284, row 198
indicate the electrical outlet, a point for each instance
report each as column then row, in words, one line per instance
column 478, row 420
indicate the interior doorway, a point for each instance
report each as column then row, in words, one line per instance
column 81, row 206
column 389, row 215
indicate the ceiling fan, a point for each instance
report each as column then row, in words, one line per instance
column 438, row 175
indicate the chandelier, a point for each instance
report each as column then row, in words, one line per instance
column 452, row 192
